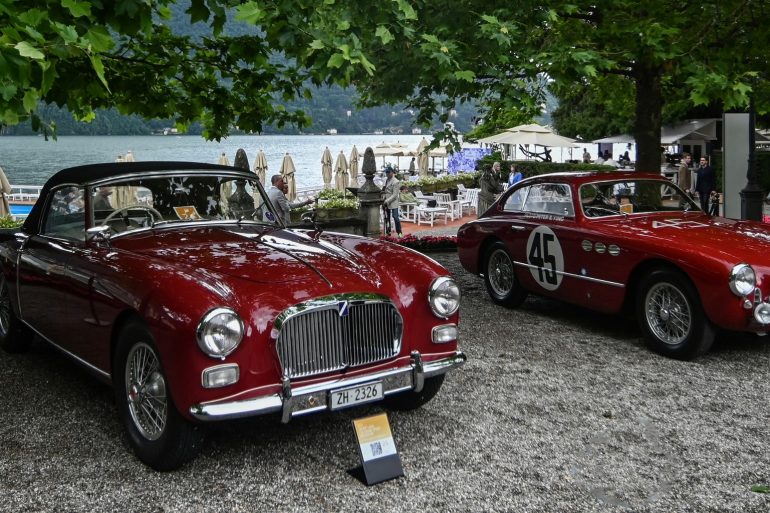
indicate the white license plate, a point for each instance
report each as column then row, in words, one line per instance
column 358, row 394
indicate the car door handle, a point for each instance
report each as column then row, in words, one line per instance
column 518, row 228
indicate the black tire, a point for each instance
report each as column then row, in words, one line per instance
column 158, row 434
column 500, row 277
column 14, row 336
column 412, row 400
column 671, row 316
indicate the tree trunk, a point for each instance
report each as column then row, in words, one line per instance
column 649, row 104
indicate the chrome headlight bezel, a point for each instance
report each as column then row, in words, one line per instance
column 444, row 297
column 219, row 340
column 743, row 280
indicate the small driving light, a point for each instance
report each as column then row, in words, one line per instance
column 762, row 313
column 444, row 297
column 219, row 332
column 444, row 333
column 742, row 280
column 220, row 376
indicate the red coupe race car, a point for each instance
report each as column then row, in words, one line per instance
column 625, row 241
column 178, row 284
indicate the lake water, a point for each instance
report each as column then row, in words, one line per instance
column 32, row 160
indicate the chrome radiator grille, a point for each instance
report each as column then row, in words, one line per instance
column 334, row 333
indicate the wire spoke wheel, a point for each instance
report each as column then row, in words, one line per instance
column 146, row 391
column 500, row 273
column 5, row 308
column 668, row 313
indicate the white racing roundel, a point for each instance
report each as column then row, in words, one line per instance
column 545, row 255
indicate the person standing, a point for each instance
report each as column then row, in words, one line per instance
column 514, row 176
column 685, row 179
column 490, row 186
column 412, row 167
column 705, row 183
column 586, row 156
column 277, row 197
column 391, row 191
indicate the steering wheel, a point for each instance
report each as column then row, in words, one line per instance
column 154, row 215
column 597, row 211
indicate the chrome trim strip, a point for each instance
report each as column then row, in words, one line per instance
column 571, row 275
column 287, row 403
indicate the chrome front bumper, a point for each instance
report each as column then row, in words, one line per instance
column 302, row 400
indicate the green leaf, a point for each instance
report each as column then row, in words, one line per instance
column 317, row 44
column 27, row 50
column 406, row 9
column 10, row 117
column 490, row 19
column 198, row 11
column 384, row 34
column 98, row 66
column 49, row 76
column 99, row 39
column 343, row 25
column 31, row 97
column 77, row 9
column 760, row 488
column 33, row 17
column 8, row 91
column 336, row 61
column 250, row 12
column 430, row 38
column 67, row 32
column 467, row 75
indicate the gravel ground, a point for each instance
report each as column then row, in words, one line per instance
column 557, row 409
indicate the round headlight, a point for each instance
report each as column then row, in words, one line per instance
column 444, row 297
column 219, row 332
column 742, row 280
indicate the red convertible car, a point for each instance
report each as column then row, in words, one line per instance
column 176, row 283
column 625, row 241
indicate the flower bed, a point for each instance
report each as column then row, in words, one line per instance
column 427, row 243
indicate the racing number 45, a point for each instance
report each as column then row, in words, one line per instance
column 540, row 255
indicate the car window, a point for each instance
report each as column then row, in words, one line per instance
column 601, row 199
column 139, row 202
column 550, row 198
column 515, row 201
column 65, row 217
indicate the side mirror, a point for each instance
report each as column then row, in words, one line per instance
column 99, row 234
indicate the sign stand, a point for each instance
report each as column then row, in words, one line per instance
column 379, row 458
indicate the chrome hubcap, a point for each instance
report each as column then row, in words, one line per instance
column 668, row 313
column 500, row 273
column 146, row 391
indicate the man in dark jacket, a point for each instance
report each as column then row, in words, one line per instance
column 705, row 183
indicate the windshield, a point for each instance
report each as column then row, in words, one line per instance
column 607, row 198
column 140, row 202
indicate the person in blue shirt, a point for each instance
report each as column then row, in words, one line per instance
column 514, row 176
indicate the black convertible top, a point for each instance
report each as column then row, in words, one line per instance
column 92, row 172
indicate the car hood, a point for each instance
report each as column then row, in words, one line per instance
column 718, row 236
column 255, row 254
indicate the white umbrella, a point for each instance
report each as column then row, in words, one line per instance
column 422, row 157
column 223, row 160
column 353, row 164
column 287, row 171
column 260, row 166
column 341, row 177
column 390, row 150
column 326, row 168
column 5, row 190
column 530, row 134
